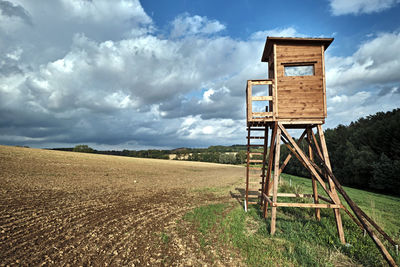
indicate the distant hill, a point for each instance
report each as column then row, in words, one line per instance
column 217, row 154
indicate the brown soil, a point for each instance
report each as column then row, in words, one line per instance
column 64, row 208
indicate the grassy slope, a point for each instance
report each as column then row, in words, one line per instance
column 299, row 239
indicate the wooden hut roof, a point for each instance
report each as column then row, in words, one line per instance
column 292, row 40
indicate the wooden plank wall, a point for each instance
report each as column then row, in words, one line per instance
column 300, row 97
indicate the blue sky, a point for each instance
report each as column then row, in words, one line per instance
column 163, row 74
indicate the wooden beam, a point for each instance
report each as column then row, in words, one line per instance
column 267, row 198
column 247, row 169
column 261, row 98
column 307, row 161
column 327, row 163
column 286, row 161
column 275, row 86
column 261, row 82
column 362, row 217
column 316, row 145
column 293, row 152
column 323, row 79
column 265, row 149
column 307, row 205
column 269, row 182
column 295, row 195
column 249, row 103
column 261, row 114
column 313, row 181
column 269, row 170
column 276, row 178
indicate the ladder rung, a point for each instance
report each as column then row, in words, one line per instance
column 255, row 153
column 252, row 202
column 255, row 168
column 255, row 183
column 255, row 145
column 255, row 160
column 256, row 137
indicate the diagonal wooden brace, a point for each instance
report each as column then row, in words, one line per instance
column 309, row 164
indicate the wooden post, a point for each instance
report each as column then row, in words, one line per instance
column 276, row 177
column 308, row 164
column 269, row 170
column 325, row 154
column 263, row 180
column 363, row 218
column 247, row 169
column 314, row 182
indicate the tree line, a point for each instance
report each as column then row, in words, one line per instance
column 364, row 154
column 235, row 154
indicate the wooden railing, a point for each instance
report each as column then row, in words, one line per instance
column 259, row 116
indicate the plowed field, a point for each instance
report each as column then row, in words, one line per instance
column 83, row 209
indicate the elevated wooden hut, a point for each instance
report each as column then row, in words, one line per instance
column 294, row 97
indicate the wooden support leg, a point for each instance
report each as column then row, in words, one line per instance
column 363, row 218
column 332, row 188
column 268, row 183
column 276, row 177
column 311, row 166
column 247, row 169
column 263, row 180
column 314, row 182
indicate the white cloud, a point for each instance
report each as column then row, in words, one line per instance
column 185, row 25
column 277, row 32
column 101, row 11
column 343, row 7
column 365, row 82
column 108, row 80
column 215, row 131
column 376, row 61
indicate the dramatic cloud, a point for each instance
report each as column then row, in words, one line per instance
column 343, row 7
column 128, row 88
column 365, row 82
column 100, row 73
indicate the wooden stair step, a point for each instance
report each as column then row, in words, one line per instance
column 255, row 145
column 255, row 153
column 255, row 189
column 255, row 161
column 254, row 183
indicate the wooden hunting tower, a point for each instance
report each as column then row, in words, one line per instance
column 294, row 97
column 297, row 77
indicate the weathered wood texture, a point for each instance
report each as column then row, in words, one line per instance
column 300, row 96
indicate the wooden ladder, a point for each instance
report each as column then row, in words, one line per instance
column 256, row 155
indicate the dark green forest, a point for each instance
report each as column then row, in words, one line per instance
column 364, row 154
